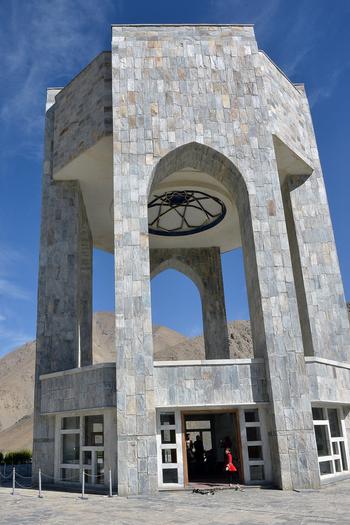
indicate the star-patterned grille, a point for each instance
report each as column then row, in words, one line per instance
column 184, row 212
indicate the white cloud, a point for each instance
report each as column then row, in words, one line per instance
column 9, row 289
column 306, row 29
column 243, row 12
column 329, row 85
column 44, row 43
column 9, row 258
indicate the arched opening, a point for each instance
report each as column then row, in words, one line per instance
column 199, row 211
column 176, row 317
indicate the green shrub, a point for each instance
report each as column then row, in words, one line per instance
column 18, row 457
column 1, row 457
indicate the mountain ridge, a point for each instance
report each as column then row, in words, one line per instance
column 17, row 369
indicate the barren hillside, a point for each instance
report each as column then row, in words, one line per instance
column 17, row 370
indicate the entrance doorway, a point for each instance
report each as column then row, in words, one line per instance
column 206, row 437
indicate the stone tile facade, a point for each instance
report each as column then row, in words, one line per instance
column 329, row 381
column 174, row 86
column 200, row 97
column 83, row 111
column 85, row 388
column 225, row 382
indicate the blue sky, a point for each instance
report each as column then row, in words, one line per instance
column 46, row 42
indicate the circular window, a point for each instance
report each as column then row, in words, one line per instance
column 184, row 212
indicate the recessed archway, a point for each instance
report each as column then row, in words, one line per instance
column 205, row 169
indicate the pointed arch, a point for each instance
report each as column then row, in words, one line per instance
column 203, row 158
column 221, row 168
column 174, row 263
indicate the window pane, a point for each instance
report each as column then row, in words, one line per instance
column 322, row 440
column 87, row 460
column 167, row 419
column 257, row 472
column 168, row 436
column 71, row 423
column 170, row 475
column 318, row 413
column 251, row 416
column 99, row 467
column 335, row 449
column 326, row 467
column 68, row 474
column 337, row 465
column 70, row 448
column 334, row 422
column 169, row 455
column 255, row 452
column 206, row 438
column 197, row 425
column 253, row 434
column 343, row 455
column 93, row 431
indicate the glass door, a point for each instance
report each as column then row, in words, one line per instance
column 93, row 465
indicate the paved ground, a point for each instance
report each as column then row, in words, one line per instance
column 252, row 507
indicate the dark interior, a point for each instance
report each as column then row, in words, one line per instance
column 206, row 462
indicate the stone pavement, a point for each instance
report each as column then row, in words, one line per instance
column 254, row 506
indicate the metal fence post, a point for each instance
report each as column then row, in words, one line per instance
column 83, row 486
column 110, row 483
column 13, row 480
column 40, row 495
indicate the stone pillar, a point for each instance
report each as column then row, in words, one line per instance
column 305, row 322
column 274, row 313
column 203, row 267
column 136, row 425
column 62, row 286
column 213, row 306
column 64, row 293
column 322, row 305
column 85, row 291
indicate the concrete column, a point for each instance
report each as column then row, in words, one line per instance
column 64, row 293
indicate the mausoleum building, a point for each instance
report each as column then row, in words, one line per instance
column 182, row 143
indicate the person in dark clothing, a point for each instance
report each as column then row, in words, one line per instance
column 198, row 449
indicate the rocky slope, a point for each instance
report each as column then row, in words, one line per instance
column 17, row 370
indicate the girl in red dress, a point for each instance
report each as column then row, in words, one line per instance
column 229, row 467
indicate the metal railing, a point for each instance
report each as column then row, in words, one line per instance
column 15, row 479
